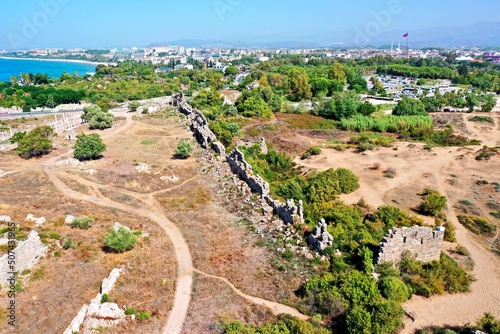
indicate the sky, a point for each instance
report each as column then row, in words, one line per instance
column 120, row 23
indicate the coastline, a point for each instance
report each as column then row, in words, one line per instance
column 60, row 60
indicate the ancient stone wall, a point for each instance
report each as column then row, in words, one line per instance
column 288, row 212
column 423, row 242
column 236, row 161
column 198, row 122
column 27, row 254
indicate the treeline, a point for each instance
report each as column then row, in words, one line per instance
column 37, row 96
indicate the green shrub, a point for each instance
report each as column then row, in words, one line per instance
column 467, row 202
column 432, row 203
column 104, row 298
column 82, row 222
column 54, row 235
column 394, row 289
column 461, row 250
column 88, row 147
column 120, row 240
column 315, row 150
column 477, row 225
column 130, row 311
column 68, row 243
column 143, row 316
column 495, row 214
column 184, row 149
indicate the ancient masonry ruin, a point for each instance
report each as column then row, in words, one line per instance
column 288, row 212
column 199, row 124
column 27, row 253
column 97, row 314
column 423, row 242
column 320, row 238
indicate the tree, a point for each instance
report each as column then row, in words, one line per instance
column 409, row 107
column 97, row 118
column 17, row 137
column 184, row 149
column 89, row 147
column 133, row 106
column 231, row 70
column 119, row 240
column 299, row 84
column 36, row 143
column 338, row 73
column 26, row 108
column 366, row 109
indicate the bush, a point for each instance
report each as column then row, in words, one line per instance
column 36, row 143
column 130, row 311
column 133, row 106
column 104, row 298
column 68, row 243
column 477, row 225
column 120, row 240
column 143, row 316
column 184, row 149
column 315, row 150
column 432, row 204
column 409, row 107
column 88, row 147
column 394, row 289
column 82, row 223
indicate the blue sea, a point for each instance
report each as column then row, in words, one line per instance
column 13, row 67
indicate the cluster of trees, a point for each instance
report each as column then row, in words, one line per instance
column 37, row 96
column 35, row 143
column 343, row 106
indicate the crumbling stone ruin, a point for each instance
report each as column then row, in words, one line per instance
column 262, row 144
column 219, row 148
column 320, row 238
column 236, row 161
column 97, row 314
column 199, row 124
column 27, row 253
column 288, row 212
column 423, row 242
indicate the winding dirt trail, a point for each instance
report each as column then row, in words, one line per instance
column 276, row 308
column 152, row 210
column 182, row 254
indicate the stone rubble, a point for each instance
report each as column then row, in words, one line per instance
column 97, row 314
column 28, row 252
column 143, row 168
column 38, row 221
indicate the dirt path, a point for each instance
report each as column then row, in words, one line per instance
column 276, row 308
column 182, row 254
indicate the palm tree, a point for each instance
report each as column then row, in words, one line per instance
column 14, row 80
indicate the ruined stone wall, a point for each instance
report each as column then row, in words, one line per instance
column 236, row 161
column 198, row 122
column 319, row 237
column 27, row 254
column 288, row 212
column 423, row 242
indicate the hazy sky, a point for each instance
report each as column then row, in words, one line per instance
column 109, row 23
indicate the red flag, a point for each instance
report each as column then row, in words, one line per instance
column 405, row 35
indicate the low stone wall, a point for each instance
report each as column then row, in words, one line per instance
column 236, row 161
column 423, row 242
column 199, row 124
column 27, row 253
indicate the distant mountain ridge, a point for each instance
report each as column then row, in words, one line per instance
column 480, row 34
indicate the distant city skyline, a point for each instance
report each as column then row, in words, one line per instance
column 96, row 24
